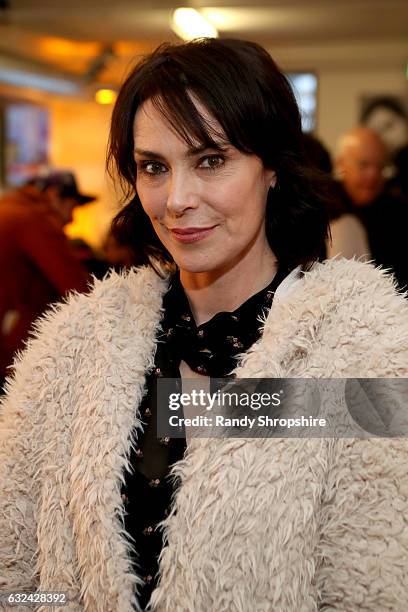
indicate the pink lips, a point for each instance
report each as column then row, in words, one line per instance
column 191, row 234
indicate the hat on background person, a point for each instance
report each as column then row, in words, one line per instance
column 65, row 182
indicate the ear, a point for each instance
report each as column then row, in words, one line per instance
column 272, row 179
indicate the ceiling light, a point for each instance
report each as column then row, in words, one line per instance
column 228, row 19
column 189, row 24
column 105, row 96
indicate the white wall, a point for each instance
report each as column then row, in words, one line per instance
column 340, row 95
column 346, row 73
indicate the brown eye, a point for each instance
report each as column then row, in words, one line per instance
column 153, row 167
column 212, row 162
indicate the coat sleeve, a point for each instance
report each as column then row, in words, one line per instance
column 31, row 393
column 364, row 534
column 48, row 248
column 364, row 330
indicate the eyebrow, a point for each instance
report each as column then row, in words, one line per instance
column 191, row 152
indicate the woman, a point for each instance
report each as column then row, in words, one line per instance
column 206, row 136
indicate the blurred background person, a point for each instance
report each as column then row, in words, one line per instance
column 360, row 163
column 37, row 264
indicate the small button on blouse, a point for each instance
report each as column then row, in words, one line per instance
column 148, row 530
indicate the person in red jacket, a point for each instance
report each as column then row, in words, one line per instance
column 36, row 262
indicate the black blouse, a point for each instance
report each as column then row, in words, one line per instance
column 210, row 349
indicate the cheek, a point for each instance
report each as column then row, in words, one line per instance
column 248, row 201
column 242, row 223
column 152, row 201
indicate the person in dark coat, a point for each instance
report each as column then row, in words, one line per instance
column 360, row 164
column 37, row 264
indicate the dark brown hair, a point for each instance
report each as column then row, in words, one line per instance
column 243, row 89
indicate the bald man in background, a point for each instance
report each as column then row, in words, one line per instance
column 360, row 165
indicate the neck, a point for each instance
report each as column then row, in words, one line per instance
column 225, row 290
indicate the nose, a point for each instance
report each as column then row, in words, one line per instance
column 182, row 193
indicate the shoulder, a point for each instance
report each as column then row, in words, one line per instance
column 363, row 318
column 116, row 306
column 356, row 291
column 13, row 208
column 351, row 279
column 347, row 222
column 348, row 238
column 346, row 316
column 22, row 217
column 140, row 284
column 118, row 294
column 342, row 279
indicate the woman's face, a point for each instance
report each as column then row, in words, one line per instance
column 207, row 206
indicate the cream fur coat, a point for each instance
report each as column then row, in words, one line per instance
column 260, row 525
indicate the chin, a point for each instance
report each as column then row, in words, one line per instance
column 368, row 199
column 194, row 268
column 196, row 265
